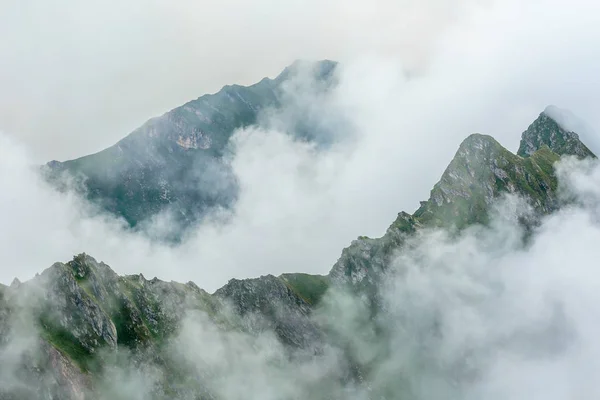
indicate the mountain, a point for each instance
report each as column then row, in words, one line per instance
column 480, row 172
column 548, row 129
column 178, row 161
column 86, row 312
column 93, row 322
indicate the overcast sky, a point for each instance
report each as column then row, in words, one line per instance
column 77, row 76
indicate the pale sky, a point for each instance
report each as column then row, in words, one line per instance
column 76, row 76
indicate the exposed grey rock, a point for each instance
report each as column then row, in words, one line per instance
column 268, row 303
column 546, row 131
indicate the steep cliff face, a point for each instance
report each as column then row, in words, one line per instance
column 178, row 160
column 548, row 131
column 60, row 332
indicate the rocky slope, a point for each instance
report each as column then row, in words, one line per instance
column 74, row 318
column 545, row 130
column 178, row 160
column 61, row 331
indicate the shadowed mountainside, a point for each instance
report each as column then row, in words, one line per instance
column 178, row 161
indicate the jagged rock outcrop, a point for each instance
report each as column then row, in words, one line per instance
column 270, row 303
column 81, row 314
column 546, row 131
column 363, row 262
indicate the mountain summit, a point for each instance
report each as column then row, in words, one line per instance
column 552, row 128
column 177, row 160
column 481, row 171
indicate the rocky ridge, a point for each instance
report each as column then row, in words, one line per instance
column 480, row 172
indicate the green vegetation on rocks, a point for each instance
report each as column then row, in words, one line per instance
column 310, row 288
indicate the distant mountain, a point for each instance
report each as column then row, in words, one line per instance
column 178, row 160
column 87, row 315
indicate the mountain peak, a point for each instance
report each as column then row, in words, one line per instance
column 480, row 142
column 481, row 171
column 320, row 70
column 555, row 128
column 171, row 162
column 478, row 164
